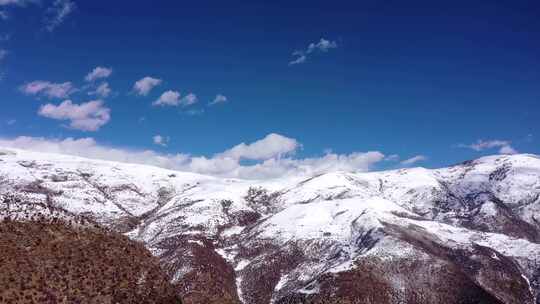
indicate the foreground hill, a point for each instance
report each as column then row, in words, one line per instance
column 469, row 233
column 59, row 258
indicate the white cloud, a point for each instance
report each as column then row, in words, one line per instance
column 11, row 122
column 103, row 90
column 58, row 12
column 4, row 3
column 145, row 85
column 392, row 158
column 219, row 99
column 273, row 145
column 88, row 147
column 172, row 98
column 89, row 116
column 355, row 162
column 16, row 2
column 300, row 59
column 169, row 98
column 222, row 164
column 322, row 46
column 507, row 150
column 160, row 140
column 48, row 89
column 189, row 99
column 413, row 160
column 97, row 73
column 481, row 145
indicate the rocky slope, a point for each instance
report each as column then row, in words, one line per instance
column 469, row 233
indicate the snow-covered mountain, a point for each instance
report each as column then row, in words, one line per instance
column 462, row 234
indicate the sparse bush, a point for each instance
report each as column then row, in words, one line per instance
column 261, row 200
column 225, row 205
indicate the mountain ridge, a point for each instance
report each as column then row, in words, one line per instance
column 303, row 239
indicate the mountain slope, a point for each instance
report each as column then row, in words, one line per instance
column 62, row 258
column 341, row 237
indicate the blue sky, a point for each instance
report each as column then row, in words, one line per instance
column 442, row 82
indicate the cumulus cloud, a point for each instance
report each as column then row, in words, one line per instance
column 413, row 160
column 145, row 85
column 219, row 99
column 98, row 73
column 323, row 46
column 48, row 89
column 160, row 140
column 481, row 145
column 4, row 15
column 225, row 164
column 168, row 98
column 88, row 116
column 172, row 98
column 58, row 12
column 271, row 146
column 189, row 99
column 103, row 90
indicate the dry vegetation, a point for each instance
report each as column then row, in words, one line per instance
column 50, row 261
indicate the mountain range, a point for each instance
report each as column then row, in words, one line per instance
column 468, row 233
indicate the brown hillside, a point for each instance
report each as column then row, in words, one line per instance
column 52, row 262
